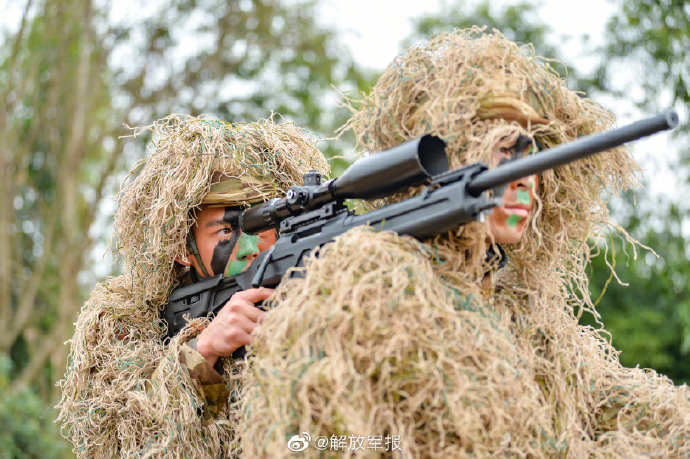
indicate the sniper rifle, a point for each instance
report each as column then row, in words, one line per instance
column 312, row 215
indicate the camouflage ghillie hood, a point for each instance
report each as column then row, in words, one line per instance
column 195, row 161
column 472, row 89
column 127, row 391
column 386, row 336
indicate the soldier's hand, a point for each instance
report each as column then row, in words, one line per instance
column 233, row 326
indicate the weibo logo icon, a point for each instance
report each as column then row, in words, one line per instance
column 298, row 443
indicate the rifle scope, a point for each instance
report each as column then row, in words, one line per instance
column 408, row 164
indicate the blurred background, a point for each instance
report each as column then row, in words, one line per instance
column 75, row 73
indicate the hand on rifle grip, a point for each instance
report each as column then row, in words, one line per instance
column 232, row 328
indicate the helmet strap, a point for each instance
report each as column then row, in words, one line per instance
column 194, row 251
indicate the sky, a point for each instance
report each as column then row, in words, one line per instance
column 374, row 37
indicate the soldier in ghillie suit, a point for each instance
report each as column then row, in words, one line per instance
column 127, row 391
column 467, row 344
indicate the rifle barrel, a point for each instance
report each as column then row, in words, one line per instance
column 566, row 153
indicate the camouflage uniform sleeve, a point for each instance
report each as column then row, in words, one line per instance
column 207, row 381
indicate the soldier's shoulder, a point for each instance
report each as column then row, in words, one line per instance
column 115, row 296
column 112, row 288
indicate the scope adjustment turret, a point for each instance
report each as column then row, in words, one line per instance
column 312, row 178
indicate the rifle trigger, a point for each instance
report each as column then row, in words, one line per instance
column 259, row 276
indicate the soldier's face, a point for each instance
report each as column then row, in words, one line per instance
column 223, row 248
column 508, row 222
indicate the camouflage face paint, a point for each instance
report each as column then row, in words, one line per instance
column 235, row 267
column 222, row 252
column 522, row 147
column 513, row 220
column 523, row 197
column 247, row 245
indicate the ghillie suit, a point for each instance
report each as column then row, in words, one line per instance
column 126, row 392
column 387, row 336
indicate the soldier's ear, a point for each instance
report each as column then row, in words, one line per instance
column 184, row 261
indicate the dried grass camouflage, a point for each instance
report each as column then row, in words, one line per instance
column 385, row 335
column 126, row 392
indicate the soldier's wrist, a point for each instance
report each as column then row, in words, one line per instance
column 203, row 348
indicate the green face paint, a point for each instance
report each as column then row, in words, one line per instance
column 246, row 245
column 513, row 220
column 523, row 197
column 235, row 267
column 531, row 183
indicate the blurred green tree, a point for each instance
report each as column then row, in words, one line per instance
column 646, row 35
column 71, row 73
column 53, row 142
column 650, row 319
column 26, row 424
column 239, row 60
column 519, row 22
column 646, row 317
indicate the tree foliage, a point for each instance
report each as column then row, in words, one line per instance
column 650, row 319
column 53, row 135
column 647, row 317
column 652, row 37
column 239, row 60
column 26, row 423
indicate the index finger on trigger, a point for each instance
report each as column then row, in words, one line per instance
column 255, row 294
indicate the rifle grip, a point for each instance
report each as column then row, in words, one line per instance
column 239, row 353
